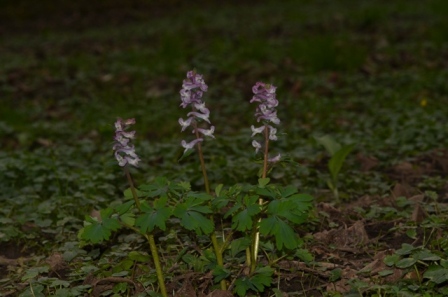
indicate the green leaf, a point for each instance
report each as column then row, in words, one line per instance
column 412, row 233
column 405, row 263
column 262, row 182
column 425, row 255
column 123, row 208
column 153, row 217
column 391, row 259
column 239, row 245
column 283, row 233
column 186, row 154
column 128, row 219
column 278, row 293
column 288, row 191
column 303, row 202
column 385, row 272
column 406, row 249
column 304, row 255
column 160, row 186
column 287, row 208
column 242, row 285
column 218, row 190
column 128, row 193
column 220, row 273
column 436, row 274
column 335, row 275
column 262, row 278
column 95, row 231
column 34, row 290
column 139, row 257
column 191, row 217
column 265, row 192
column 219, row 203
column 184, row 186
column 243, row 220
column 337, row 160
column 34, row 271
column 329, row 143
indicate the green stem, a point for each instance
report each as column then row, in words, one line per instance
column 266, row 151
column 256, row 235
column 155, row 256
column 131, row 184
column 214, row 239
column 204, row 171
column 150, row 238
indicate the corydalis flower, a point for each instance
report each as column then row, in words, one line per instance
column 256, row 145
column 124, row 152
column 275, row 159
column 264, row 95
column 190, row 145
column 193, row 88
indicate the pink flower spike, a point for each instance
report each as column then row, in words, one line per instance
column 190, row 145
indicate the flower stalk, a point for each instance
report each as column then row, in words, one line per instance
column 125, row 155
column 193, row 88
column 264, row 95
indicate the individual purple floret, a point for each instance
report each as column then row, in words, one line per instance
column 190, row 145
column 256, row 145
column 264, row 95
column 275, row 159
column 124, row 152
column 193, row 88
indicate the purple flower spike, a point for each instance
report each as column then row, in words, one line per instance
column 264, row 95
column 193, row 88
column 124, row 153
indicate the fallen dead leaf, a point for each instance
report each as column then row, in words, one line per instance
column 348, row 237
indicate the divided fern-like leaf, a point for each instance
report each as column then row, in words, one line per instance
column 191, row 213
column 283, row 233
column 153, row 216
column 261, row 278
column 243, row 220
column 95, row 231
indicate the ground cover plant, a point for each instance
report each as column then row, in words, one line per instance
column 367, row 79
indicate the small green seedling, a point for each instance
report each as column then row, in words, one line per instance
column 338, row 155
